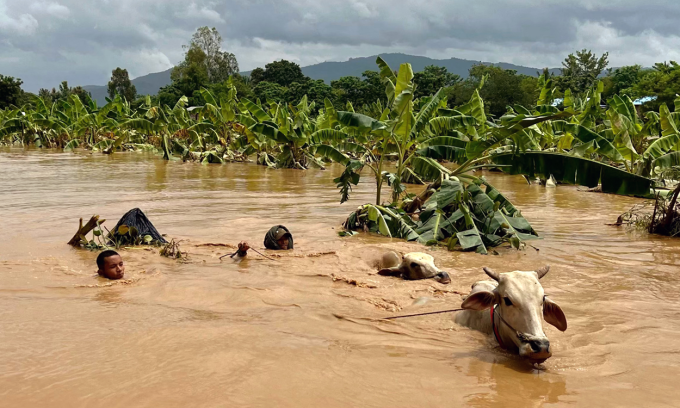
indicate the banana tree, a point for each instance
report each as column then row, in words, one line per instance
column 585, row 147
column 459, row 209
column 396, row 133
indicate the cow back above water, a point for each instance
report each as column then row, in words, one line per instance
column 520, row 305
column 412, row 266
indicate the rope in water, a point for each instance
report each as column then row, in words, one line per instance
column 422, row 314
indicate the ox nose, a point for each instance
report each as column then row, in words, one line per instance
column 540, row 346
column 443, row 277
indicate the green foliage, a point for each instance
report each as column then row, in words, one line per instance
column 358, row 91
column 349, row 177
column 204, row 53
column 580, row 71
column 473, row 216
column 622, row 80
column 120, row 84
column 10, row 91
column 283, row 73
column 663, row 82
column 270, row 92
column 63, row 93
column 433, row 78
column 498, row 87
column 316, row 91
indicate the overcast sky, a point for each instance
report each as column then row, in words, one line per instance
column 45, row 42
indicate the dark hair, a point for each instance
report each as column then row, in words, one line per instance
column 103, row 255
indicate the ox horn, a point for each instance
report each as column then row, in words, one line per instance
column 541, row 272
column 493, row 275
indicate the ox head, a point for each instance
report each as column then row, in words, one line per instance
column 417, row 265
column 522, row 305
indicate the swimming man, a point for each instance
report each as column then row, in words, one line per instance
column 110, row 265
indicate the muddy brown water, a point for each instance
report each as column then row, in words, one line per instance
column 266, row 333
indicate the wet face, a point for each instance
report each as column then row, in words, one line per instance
column 113, row 268
column 521, row 300
column 283, row 242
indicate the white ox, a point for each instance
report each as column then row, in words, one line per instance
column 414, row 265
column 512, row 307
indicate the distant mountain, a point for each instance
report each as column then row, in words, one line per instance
column 146, row 85
column 329, row 71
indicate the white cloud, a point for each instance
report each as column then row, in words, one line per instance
column 361, row 9
column 201, row 13
column 52, row 8
column 24, row 24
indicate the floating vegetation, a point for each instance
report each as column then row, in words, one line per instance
column 659, row 217
column 172, row 250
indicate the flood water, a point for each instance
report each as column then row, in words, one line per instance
column 267, row 333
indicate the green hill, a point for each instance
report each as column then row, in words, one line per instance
column 329, row 71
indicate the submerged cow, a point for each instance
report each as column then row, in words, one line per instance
column 413, row 266
column 516, row 307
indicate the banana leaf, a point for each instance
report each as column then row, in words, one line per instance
column 385, row 70
column 401, row 226
column 662, row 146
column 361, row 123
column 575, row 170
column 256, row 110
column 352, row 148
column 409, row 177
column 332, row 153
column 470, row 238
column 440, row 152
column 446, row 195
column 474, row 108
column 425, row 114
column 444, row 148
column 328, row 135
column 428, row 169
column 432, row 231
column 444, row 125
column 668, row 160
column 377, row 217
column 404, row 80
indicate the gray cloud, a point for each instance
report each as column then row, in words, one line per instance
column 47, row 41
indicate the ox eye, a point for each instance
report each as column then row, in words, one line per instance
column 507, row 301
column 414, row 265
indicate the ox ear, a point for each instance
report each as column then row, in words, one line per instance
column 479, row 300
column 542, row 271
column 394, row 271
column 553, row 314
column 493, row 275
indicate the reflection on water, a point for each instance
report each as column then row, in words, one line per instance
column 513, row 383
column 266, row 333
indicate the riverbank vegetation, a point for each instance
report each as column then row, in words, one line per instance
column 397, row 126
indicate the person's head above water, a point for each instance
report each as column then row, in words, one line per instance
column 282, row 238
column 278, row 237
column 110, row 265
